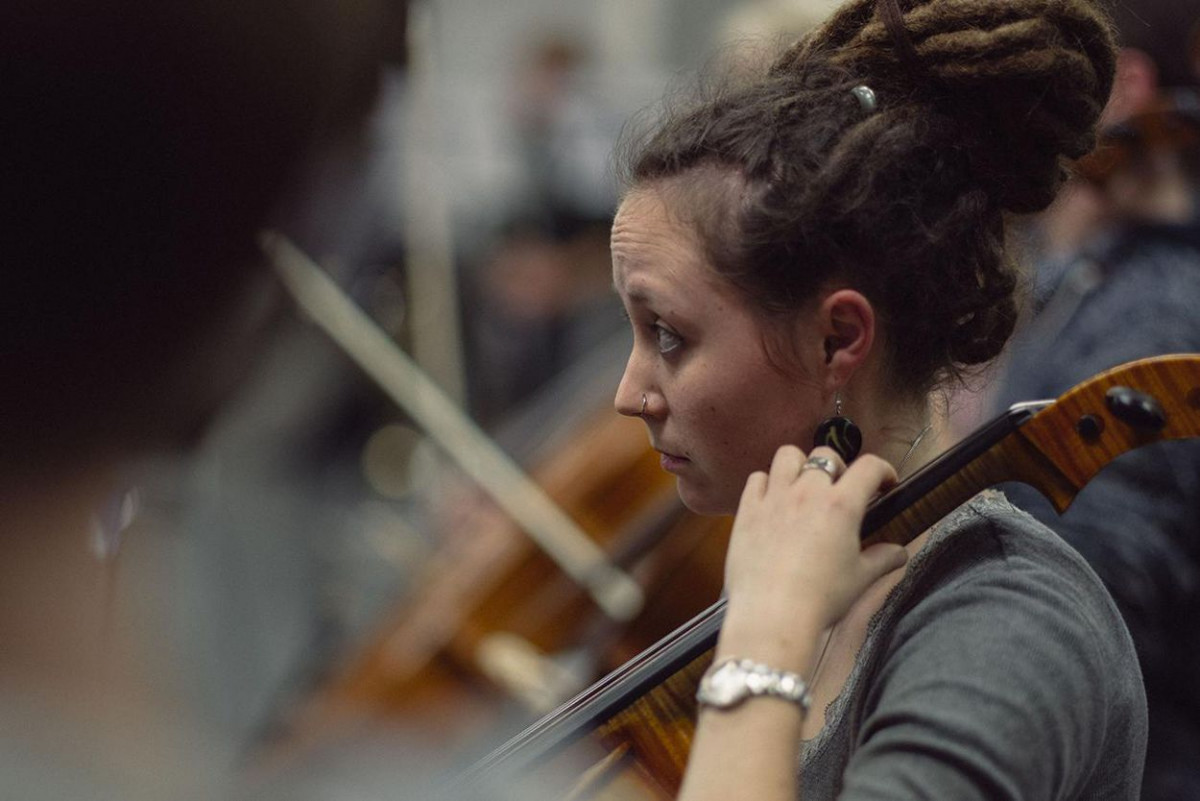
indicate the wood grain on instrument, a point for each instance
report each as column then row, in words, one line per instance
column 1174, row 381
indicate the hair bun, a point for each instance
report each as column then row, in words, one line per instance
column 1027, row 79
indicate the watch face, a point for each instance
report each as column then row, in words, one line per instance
column 731, row 682
column 726, row 685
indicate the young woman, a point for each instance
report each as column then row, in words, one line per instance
column 826, row 245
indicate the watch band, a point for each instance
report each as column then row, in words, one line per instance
column 732, row 681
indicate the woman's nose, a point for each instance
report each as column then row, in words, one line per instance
column 629, row 403
column 630, row 399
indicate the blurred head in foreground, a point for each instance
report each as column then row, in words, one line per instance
column 144, row 146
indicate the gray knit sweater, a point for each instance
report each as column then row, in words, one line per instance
column 997, row 669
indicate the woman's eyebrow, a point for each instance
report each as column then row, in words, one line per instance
column 636, row 294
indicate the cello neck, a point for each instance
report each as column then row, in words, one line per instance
column 991, row 455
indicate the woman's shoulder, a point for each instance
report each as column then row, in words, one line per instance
column 997, row 560
column 1001, row 649
column 989, row 540
column 990, row 570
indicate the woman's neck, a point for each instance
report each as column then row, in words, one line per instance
column 909, row 438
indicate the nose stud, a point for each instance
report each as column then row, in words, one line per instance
column 642, row 411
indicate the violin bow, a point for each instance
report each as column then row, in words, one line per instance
column 1054, row 446
column 560, row 537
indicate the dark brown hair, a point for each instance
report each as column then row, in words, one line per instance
column 979, row 103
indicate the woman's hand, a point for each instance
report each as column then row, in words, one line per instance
column 795, row 561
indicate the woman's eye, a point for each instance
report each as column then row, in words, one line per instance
column 667, row 340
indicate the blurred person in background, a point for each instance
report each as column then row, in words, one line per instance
column 1119, row 279
column 540, row 301
column 750, row 33
column 565, row 129
column 143, row 149
column 536, row 298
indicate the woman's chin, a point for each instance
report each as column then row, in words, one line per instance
column 702, row 501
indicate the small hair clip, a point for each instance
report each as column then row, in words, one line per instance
column 866, row 97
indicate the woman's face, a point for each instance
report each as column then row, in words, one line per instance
column 716, row 407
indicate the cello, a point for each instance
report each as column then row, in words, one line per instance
column 629, row 735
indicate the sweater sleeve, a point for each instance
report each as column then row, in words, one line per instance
column 1009, row 678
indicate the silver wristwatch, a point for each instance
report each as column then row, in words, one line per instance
column 732, row 681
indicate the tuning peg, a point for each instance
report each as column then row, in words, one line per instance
column 1136, row 409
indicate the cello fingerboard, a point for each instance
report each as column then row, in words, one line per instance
column 657, row 728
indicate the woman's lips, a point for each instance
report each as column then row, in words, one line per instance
column 670, row 462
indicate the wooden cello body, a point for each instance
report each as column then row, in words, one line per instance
column 629, row 736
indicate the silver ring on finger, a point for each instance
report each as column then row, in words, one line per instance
column 822, row 463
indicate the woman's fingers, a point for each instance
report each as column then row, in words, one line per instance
column 867, row 477
column 786, row 466
column 824, row 464
column 882, row 558
column 756, row 486
column 796, row 533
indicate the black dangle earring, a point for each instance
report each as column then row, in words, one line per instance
column 839, row 433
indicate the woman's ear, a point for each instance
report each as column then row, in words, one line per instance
column 846, row 321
